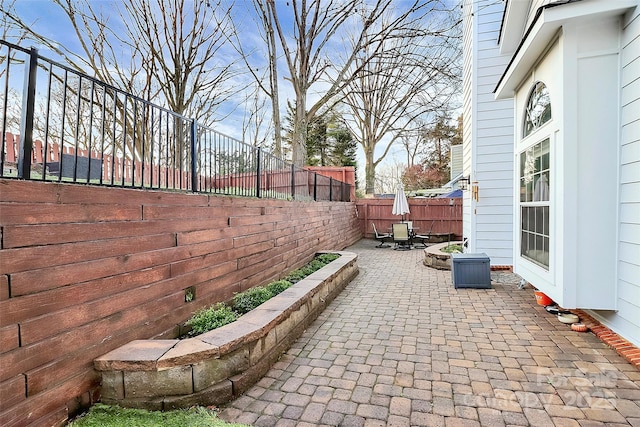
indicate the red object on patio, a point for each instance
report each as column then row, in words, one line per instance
column 542, row 299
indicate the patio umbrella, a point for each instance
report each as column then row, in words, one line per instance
column 400, row 204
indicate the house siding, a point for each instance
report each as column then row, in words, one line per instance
column 468, row 106
column 487, row 136
column 456, row 160
column 626, row 320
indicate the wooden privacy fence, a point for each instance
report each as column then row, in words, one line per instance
column 438, row 215
column 80, row 164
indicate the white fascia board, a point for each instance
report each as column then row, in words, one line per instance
column 542, row 31
column 513, row 22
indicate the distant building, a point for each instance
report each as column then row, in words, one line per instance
column 456, row 165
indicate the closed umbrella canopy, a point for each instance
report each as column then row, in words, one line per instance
column 400, row 203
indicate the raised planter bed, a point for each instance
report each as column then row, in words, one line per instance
column 217, row 366
column 435, row 258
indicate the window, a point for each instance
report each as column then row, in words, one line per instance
column 538, row 110
column 534, row 203
column 535, row 179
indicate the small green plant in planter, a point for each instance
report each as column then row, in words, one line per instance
column 316, row 264
column 246, row 301
column 327, row 258
column 295, row 276
column 450, row 249
column 279, row 286
column 221, row 314
column 312, row 267
column 211, row 318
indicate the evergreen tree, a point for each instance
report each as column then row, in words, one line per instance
column 329, row 142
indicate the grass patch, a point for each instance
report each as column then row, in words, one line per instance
column 113, row 416
column 221, row 314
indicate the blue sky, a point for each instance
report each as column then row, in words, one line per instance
column 51, row 22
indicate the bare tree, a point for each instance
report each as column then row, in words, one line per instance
column 168, row 52
column 256, row 123
column 11, row 32
column 389, row 177
column 408, row 74
column 263, row 68
column 185, row 41
column 411, row 142
column 306, row 31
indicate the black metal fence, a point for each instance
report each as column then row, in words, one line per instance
column 61, row 125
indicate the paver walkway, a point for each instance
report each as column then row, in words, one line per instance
column 401, row 347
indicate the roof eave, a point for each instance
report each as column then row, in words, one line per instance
column 546, row 24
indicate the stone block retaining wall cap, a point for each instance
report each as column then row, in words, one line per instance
column 213, row 367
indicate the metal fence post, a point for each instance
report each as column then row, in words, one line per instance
column 331, row 189
column 194, row 172
column 293, row 181
column 315, row 187
column 259, row 157
column 25, row 152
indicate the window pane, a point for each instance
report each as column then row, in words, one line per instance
column 544, row 163
column 530, row 168
column 539, row 220
column 534, row 203
column 539, row 254
column 538, row 110
column 541, row 188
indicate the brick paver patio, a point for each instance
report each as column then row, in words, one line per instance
column 401, row 347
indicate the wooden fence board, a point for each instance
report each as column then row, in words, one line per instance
column 42, row 257
column 9, row 337
column 440, row 215
column 12, row 392
column 25, row 213
column 23, row 308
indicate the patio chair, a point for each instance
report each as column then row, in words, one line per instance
column 401, row 236
column 423, row 238
column 411, row 230
column 382, row 238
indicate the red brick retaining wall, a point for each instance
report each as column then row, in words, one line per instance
column 84, row 270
